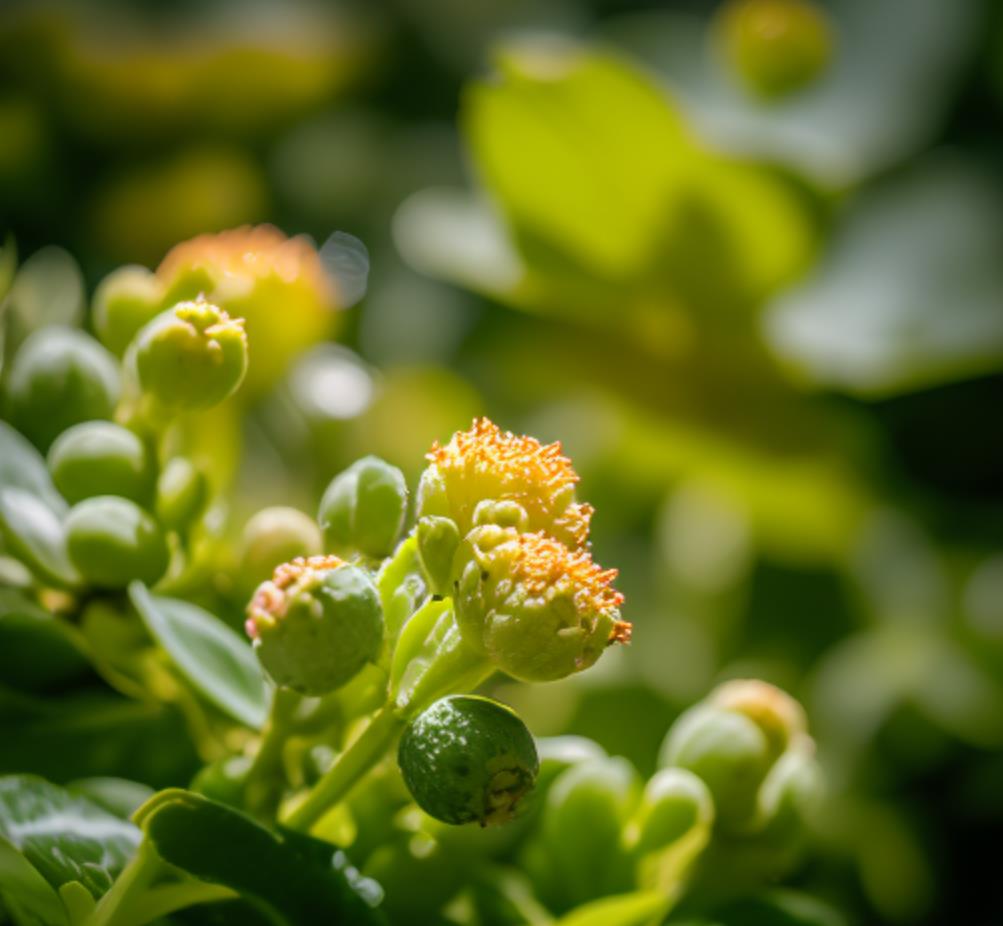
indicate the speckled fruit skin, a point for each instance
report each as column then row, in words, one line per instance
column 468, row 759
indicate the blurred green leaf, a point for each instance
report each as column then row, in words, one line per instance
column 299, row 881
column 23, row 467
column 118, row 796
column 25, row 896
column 217, row 662
column 643, row 908
column 34, row 533
column 65, row 837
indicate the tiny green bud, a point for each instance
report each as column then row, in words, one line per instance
column 275, row 536
column 112, row 541
column 124, row 302
column 728, row 751
column 674, row 802
column 438, row 540
column 775, row 712
column 192, row 356
column 60, row 377
column 468, row 759
column 776, row 47
column 536, row 609
column 182, row 490
column 363, row 508
column 315, row 624
column 101, row 458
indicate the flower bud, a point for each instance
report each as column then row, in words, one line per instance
column 275, row 536
column 192, row 356
column 124, row 302
column 182, row 491
column 467, row 759
column 363, row 508
column 438, row 540
column 112, row 541
column 776, row 47
column 675, row 801
column 101, row 458
column 528, row 486
column 315, row 624
column 775, row 712
column 60, row 377
column 728, row 751
column 538, row 610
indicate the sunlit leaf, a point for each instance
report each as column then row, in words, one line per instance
column 644, row 908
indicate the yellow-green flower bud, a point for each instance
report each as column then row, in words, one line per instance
column 487, row 476
column 182, row 491
column 468, row 759
column 775, row 712
column 192, row 356
column 124, row 302
column 275, row 536
column 101, row 458
column 315, row 624
column 112, row 541
column 675, row 801
column 363, row 508
column 776, row 47
column 438, row 540
column 60, row 377
column 538, row 610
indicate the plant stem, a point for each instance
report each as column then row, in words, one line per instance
column 348, row 768
column 263, row 785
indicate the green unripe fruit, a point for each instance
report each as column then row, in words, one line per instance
column 101, row 458
column 468, row 759
column 315, row 624
column 60, row 377
column 112, row 541
column 182, row 491
column 363, row 508
column 674, row 802
column 124, row 301
column 191, row 357
column 728, row 751
column 776, row 47
column 438, row 539
column 275, row 536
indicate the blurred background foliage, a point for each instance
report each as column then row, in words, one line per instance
column 768, row 332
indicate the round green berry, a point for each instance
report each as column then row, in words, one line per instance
column 60, row 377
column 124, row 301
column 363, row 508
column 468, row 759
column 274, row 536
column 315, row 624
column 191, row 357
column 101, row 458
column 181, row 493
column 112, row 541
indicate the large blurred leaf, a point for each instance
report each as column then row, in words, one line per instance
column 25, row 896
column 894, row 68
column 911, row 292
column 299, row 881
column 644, row 908
column 23, row 467
column 37, row 650
column 65, row 837
column 34, row 533
column 210, row 655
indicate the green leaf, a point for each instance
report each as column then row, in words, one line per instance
column 64, row 836
column 298, row 880
column 23, row 467
column 25, row 896
column 37, row 650
column 34, row 534
column 116, row 795
column 643, row 908
column 217, row 662
column 47, row 290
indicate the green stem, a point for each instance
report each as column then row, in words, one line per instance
column 375, row 741
column 263, row 784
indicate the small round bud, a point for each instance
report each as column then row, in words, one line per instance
column 468, row 759
column 315, row 624
column 776, row 47
column 124, row 302
column 182, row 491
column 487, row 476
column 538, row 610
column 363, row 508
column 112, row 541
column 775, row 712
column 275, row 536
column 728, row 751
column 101, row 458
column 192, row 356
column 438, row 541
column 60, row 377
